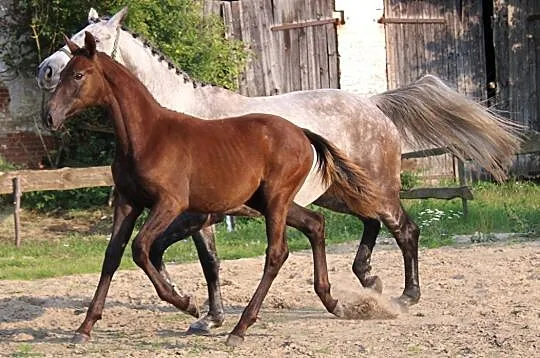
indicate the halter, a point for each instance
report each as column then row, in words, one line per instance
column 115, row 45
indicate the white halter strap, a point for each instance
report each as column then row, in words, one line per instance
column 66, row 51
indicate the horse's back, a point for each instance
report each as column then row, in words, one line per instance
column 236, row 155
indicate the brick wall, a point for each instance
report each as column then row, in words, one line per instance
column 25, row 149
column 4, row 99
column 20, row 145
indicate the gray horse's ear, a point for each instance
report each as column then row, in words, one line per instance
column 70, row 44
column 90, row 43
column 118, row 18
column 93, row 16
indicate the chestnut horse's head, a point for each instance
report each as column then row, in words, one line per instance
column 81, row 85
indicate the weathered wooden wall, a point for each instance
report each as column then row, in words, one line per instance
column 293, row 43
column 471, row 44
column 516, row 38
column 516, row 30
column 441, row 37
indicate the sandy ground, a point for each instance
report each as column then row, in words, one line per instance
column 478, row 301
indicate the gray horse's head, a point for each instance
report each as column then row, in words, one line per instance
column 104, row 31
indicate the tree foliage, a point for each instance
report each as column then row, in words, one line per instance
column 33, row 29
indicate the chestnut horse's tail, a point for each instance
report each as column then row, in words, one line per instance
column 429, row 112
column 348, row 180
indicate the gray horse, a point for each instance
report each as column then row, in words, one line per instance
column 369, row 130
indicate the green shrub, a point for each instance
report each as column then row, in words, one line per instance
column 409, row 180
column 6, row 166
column 55, row 200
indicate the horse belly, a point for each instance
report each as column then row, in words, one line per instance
column 230, row 193
column 313, row 186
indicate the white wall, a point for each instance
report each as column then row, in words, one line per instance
column 361, row 45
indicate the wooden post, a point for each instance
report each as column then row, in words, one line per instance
column 16, row 213
column 462, row 182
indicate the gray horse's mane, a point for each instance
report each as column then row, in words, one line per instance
column 159, row 55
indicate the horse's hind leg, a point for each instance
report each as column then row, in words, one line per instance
column 361, row 266
column 199, row 226
column 206, row 249
column 312, row 225
column 159, row 220
column 406, row 233
column 362, row 262
column 277, row 251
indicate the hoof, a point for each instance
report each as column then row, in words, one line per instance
column 192, row 308
column 405, row 301
column 375, row 283
column 80, row 338
column 339, row 311
column 234, row 340
column 204, row 325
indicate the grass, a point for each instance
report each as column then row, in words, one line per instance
column 513, row 207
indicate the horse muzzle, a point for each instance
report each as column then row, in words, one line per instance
column 52, row 121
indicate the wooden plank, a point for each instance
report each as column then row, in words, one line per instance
column 501, row 44
column 226, row 13
column 424, row 153
column 303, row 24
column 313, row 59
column 463, row 192
column 304, row 55
column 236, row 14
column 17, row 211
column 270, row 45
column 531, row 144
column 320, row 70
column 262, row 37
column 535, row 31
column 56, row 179
column 250, row 72
column 391, row 45
column 294, row 53
column 397, row 20
column 461, row 176
column 333, row 56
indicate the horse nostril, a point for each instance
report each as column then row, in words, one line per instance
column 49, row 120
column 48, row 72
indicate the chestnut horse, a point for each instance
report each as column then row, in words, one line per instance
column 171, row 163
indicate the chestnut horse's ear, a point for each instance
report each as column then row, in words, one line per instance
column 90, row 43
column 70, row 44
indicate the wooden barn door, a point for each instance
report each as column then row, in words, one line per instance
column 439, row 37
column 293, row 43
column 516, row 27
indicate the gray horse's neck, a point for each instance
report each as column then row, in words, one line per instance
column 171, row 87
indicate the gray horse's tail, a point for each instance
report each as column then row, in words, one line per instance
column 429, row 112
column 348, row 180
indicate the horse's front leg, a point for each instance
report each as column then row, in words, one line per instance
column 160, row 218
column 125, row 215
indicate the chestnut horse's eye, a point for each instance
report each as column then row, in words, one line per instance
column 78, row 76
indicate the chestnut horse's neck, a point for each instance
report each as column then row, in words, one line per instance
column 131, row 107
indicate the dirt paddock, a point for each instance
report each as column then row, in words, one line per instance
column 477, row 301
